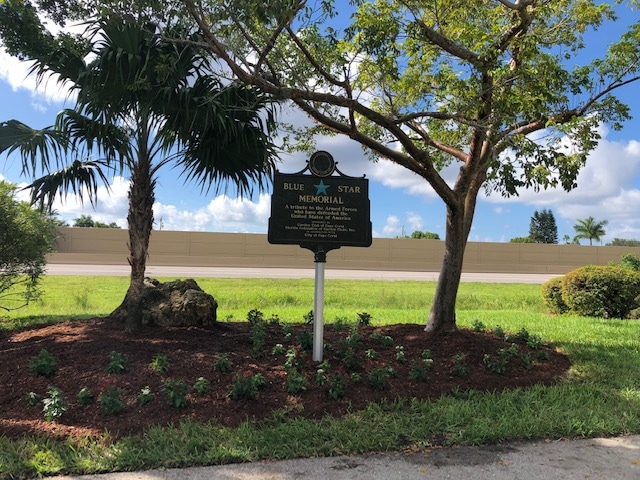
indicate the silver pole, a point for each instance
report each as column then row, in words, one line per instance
column 318, row 313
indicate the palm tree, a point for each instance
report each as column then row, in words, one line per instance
column 142, row 103
column 589, row 228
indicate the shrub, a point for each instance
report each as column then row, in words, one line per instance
column 176, row 391
column 159, row 364
column 246, row 386
column 26, row 235
column 43, row 364
column 54, row 405
column 201, row 386
column 111, row 401
column 85, row 397
column 145, row 395
column 223, row 363
column 630, row 262
column 601, row 291
column 118, row 363
column 552, row 295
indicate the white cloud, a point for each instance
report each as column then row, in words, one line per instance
column 414, row 221
column 607, row 190
column 16, row 74
column 392, row 227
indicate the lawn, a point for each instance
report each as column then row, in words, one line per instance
column 600, row 395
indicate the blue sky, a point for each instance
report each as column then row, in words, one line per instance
column 608, row 187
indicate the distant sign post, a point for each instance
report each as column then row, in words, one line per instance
column 320, row 211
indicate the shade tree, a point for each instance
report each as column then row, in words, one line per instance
column 494, row 89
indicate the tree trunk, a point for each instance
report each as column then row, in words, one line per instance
column 442, row 316
column 140, row 219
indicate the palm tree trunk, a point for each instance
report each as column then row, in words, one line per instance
column 140, row 220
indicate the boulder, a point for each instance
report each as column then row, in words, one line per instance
column 179, row 303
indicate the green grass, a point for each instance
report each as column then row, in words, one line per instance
column 600, row 397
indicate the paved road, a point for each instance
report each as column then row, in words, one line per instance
column 595, row 459
column 233, row 272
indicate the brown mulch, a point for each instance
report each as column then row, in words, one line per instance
column 82, row 349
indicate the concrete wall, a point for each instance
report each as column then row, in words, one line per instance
column 109, row 246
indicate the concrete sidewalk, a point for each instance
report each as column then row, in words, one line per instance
column 599, row 458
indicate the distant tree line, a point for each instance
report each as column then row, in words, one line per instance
column 419, row 234
column 85, row 221
column 543, row 229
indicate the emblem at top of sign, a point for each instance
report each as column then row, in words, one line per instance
column 322, row 164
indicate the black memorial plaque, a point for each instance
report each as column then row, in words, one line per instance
column 314, row 211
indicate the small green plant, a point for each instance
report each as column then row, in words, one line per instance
column 459, row 367
column 32, row 399
column 534, row 342
column 337, row 386
column 378, row 378
column 384, row 340
column 85, row 397
column 293, row 358
column 296, row 382
column 419, row 371
column 425, row 354
column 111, row 401
column 223, row 363
column 54, row 404
column 352, row 340
column 401, row 356
column 245, row 386
column 498, row 331
column 287, row 330
column 159, row 364
column 257, row 335
column 512, row 351
column 118, row 363
column 275, row 319
column 308, row 317
column 305, row 339
column 176, row 391
column 542, row 355
column 259, row 380
column 43, row 364
column 526, row 361
column 523, row 335
column 145, row 395
column 322, row 372
column 478, row 326
column 255, row 316
column 497, row 364
column 370, row 353
column 350, row 359
column 364, row 319
column 201, row 387
column 278, row 349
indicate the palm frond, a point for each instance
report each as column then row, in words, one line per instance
column 80, row 178
column 108, row 140
column 225, row 132
column 37, row 147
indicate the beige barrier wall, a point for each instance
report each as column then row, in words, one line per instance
column 109, row 246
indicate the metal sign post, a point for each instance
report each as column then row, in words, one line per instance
column 320, row 258
column 320, row 212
